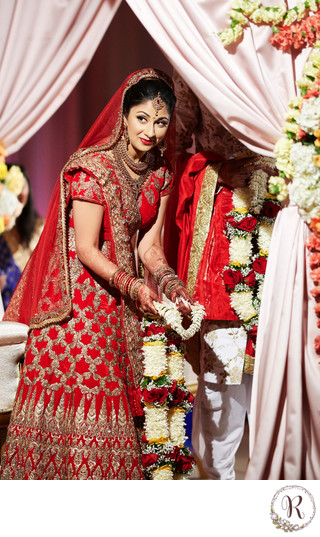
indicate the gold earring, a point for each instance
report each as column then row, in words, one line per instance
column 162, row 146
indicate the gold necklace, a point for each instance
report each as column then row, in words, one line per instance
column 136, row 167
column 136, row 184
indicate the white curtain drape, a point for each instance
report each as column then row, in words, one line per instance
column 45, row 48
column 247, row 87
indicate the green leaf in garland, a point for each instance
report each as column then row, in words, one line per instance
column 234, row 23
column 145, row 382
column 161, row 380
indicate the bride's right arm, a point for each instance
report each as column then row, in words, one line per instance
column 87, row 218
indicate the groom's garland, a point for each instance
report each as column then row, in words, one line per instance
column 164, row 394
column 249, row 228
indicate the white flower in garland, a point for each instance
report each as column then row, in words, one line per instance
column 176, row 365
column 264, row 237
column 314, row 59
column 177, row 426
column 156, row 424
column 278, row 187
column 163, row 473
column 173, row 318
column 268, row 16
column 237, row 16
column 241, row 249
column 309, row 119
column 282, row 150
column 242, row 303
column 302, row 157
column 247, row 7
column 155, row 358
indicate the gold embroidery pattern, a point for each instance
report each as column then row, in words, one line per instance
column 202, row 222
column 248, row 364
column 223, row 351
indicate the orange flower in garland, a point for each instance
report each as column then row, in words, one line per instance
column 298, row 35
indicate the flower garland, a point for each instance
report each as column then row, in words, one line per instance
column 11, row 185
column 298, row 150
column 249, row 228
column 292, row 28
column 164, row 395
column 173, row 318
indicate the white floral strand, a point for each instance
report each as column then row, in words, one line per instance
column 173, row 318
column 242, row 303
column 241, row 249
column 264, row 237
column 156, row 424
column 176, row 366
column 155, row 358
column 163, row 473
column 177, row 426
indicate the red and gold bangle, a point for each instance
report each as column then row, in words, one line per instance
column 167, row 280
column 128, row 285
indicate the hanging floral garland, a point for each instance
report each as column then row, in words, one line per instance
column 164, row 394
column 249, row 228
column 298, row 150
column 291, row 27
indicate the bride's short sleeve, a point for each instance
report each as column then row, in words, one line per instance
column 167, row 183
column 85, row 187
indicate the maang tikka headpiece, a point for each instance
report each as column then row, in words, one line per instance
column 158, row 103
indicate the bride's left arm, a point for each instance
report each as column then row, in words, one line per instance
column 153, row 257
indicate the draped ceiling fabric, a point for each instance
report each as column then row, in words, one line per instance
column 45, row 48
column 247, row 87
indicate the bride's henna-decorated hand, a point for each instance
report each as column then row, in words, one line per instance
column 177, row 294
column 146, row 297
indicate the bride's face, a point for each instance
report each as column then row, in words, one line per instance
column 146, row 127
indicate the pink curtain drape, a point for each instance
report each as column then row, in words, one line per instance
column 247, row 87
column 45, row 48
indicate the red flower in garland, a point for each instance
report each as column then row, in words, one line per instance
column 149, row 459
column 270, row 209
column 182, row 462
column 231, row 278
column 248, row 223
column 260, row 264
column 153, row 329
column 155, row 395
column 178, row 397
column 250, row 279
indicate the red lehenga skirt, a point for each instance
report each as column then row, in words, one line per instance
column 77, row 407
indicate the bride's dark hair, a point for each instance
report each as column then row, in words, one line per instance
column 148, row 89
